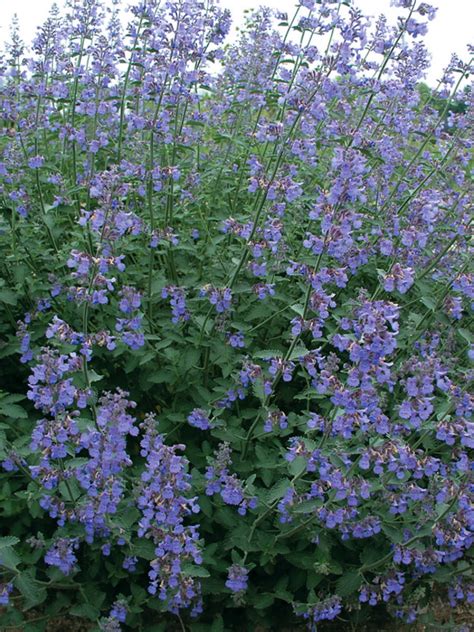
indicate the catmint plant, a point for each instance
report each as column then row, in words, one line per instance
column 236, row 299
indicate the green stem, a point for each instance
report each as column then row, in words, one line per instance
column 381, row 71
column 124, row 91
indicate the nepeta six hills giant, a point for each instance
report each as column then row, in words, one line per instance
column 236, row 319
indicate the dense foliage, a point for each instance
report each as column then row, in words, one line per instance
column 235, row 316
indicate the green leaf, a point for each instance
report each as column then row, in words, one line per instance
column 348, row 583
column 298, row 352
column 313, row 580
column 127, row 518
column 218, row 624
column 8, row 540
column 415, row 318
column 441, row 508
column 161, row 377
column 308, row 506
column 86, row 610
column 195, row 571
column 140, row 595
column 33, row 592
column 13, row 410
column 394, row 535
column 12, row 398
column 70, row 487
column 302, row 559
column 144, row 549
column 189, row 359
column 284, row 595
column 94, row 596
column 430, row 304
column 266, row 354
column 257, row 389
column 278, row 490
column 8, row 296
column 265, row 456
column 466, row 334
column 240, row 539
column 370, row 555
column 9, row 559
column 299, row 309
column 297, row 466
column 263, row 601
column 93, row 376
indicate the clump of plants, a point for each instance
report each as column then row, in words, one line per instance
column 236, row 319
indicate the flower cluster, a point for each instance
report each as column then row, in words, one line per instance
column 328, row 609
column 62, row 555
column 221, row 298
column 164, row 504
column 130, row 327
column 237, row 578
column 101, row 476
column 177, row 298
column 199, row 419
column 49, row 389
column 117, row 615
column 228, row 486
column 5, row 591
column 383, row 588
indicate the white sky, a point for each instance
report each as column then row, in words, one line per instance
column 450, row 32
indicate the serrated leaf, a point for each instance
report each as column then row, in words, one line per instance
column 430, row 304
column 394, row 535
column 190, row 358
column 161, row 377
column 31, row 590
column 195, row 571
column 86, row 610
column 257, row 389
column 263, row 601
column 127, row 518
column 284, row 595
column 140, row 595
column 265, row 457
column 348, row 583
column 266, row 354
column 144, row 549
column 443, row 574
column 313, row 580
column 301, row 559
column 335, row 567
column 9, row 559
column 297, row 466
column 8, row 540
column 298, row 352
column 94, row 596
column 370, row 555
column 415, row 318
column 12, row 398
column 13, row 410
column 278, row 490
column 8, row 296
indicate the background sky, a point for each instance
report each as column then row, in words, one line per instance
column 450, row 32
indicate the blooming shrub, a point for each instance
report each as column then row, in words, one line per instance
column 235, row 313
